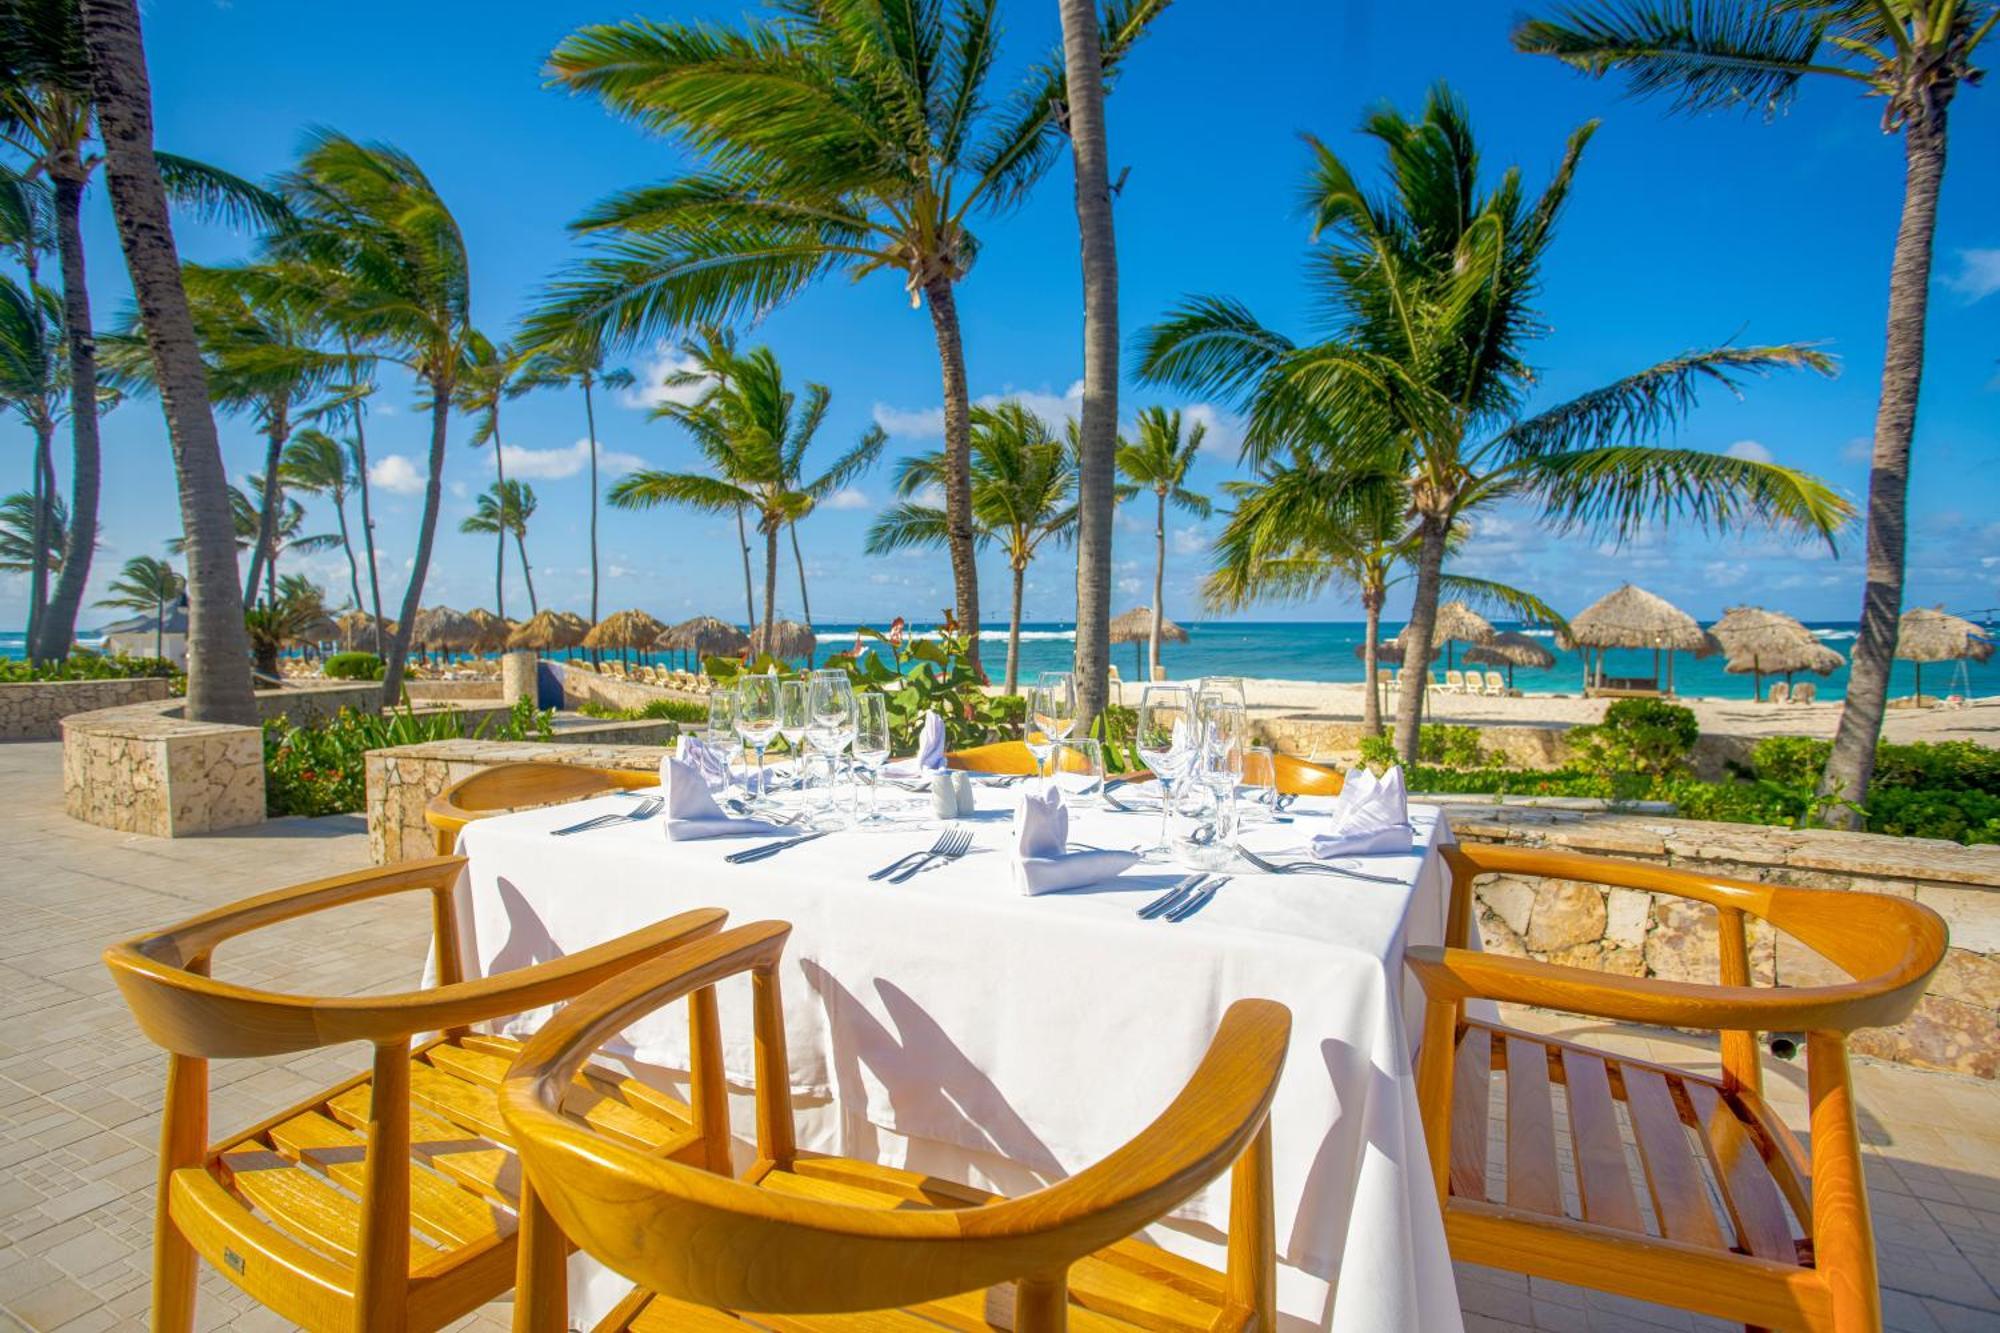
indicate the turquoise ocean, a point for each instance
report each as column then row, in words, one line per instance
column 1325, row 651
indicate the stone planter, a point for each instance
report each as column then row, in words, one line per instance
column 34, row 710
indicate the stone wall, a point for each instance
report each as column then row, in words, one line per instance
column 420, row 692
column 318, row 701
column 34, row 710
column 144, row 769
column 1957, row 1024
column 582, row 685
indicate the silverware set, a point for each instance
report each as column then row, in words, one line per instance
column 1314, row 868
column 648, row 807
column 950, row 846
column 1184, row 899
column 773, row 848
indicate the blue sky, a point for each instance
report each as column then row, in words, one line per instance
column 1680, row 233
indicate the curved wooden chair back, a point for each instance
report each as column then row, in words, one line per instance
column 725, row 1244
column 1751, row 1266
column 1000, row 757
column 504, row 787
column 1302, row 777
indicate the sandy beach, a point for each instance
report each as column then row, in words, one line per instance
column 1979, row 721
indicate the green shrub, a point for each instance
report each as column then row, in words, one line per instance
column 671, row 710
column 318, row 770
column 353, row 666
column 1378, row 753
column 1649, row 738
column 82, row 664
column 1452, row 747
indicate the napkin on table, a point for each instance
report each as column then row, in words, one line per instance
column 930, row 751
column 693, row 813
column 1042, row 860
column 1370, row 817
column 702, row 757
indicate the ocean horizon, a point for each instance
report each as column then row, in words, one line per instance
column 1325, row 651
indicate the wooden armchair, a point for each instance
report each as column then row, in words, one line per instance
column 504, row 787
column 1302, row 777
column 387, row 1202
column 1790, row 1245
column 806, row 1235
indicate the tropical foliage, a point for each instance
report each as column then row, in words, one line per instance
column 149, row 586
column 319, row 769
column 1158, row 461
column 503, row 510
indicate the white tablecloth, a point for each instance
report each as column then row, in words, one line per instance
column 949, row 1023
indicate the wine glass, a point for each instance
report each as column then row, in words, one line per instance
column 1078, row 770
column 1163, row 741
column 1260, row 780
column 1039, row 740
column 1062, row 700
column 721, row 728
column 792, row 724
column 757, row 718
column 871, row 746
column 830, row 718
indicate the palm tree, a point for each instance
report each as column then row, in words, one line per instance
column 504, row 509
column 490, row 375
column 1914, row 55
column 707, row 359
column 34, row 382
column 286, row 618
column 219, row 684
column 282, row 533
column 1024, row 483
column 48, row 116
column 754, row 434
column 27, row 524
column 1429, row 288
column 578, row 358
column 318, row 464
column 852, row 137
column 374, row 241
column 149, row 585
column 1159, row 462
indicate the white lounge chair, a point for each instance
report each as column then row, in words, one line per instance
column 1805, row 692
column 1781, row 693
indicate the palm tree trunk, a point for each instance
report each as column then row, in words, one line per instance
column 1014, row 633
column 347, row 545
column 219, row 688
column 521, row 544
column 38, row 571
column 1851, row 765
column 58, row 629
column 1159, row 590
column 1416, row 636
column 770, row 581
column 590, row 424
column 367, row 517
column 264, row 550
column 500, row 531
column 957, row 463
column 749, row 596
column 805, row 602
column 159, row 629
column 399, row 646
column 1084, row 63
column 1371, row 658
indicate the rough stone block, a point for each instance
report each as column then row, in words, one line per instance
column 1566, row 914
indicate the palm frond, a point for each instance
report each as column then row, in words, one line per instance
column 215, row 195
column 907, row 526
column 646, row 488
column 1488, row 594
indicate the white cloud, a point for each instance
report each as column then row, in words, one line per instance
column 1189, row 541
column 1978, row 275
column 1749, row 451
column 1225, row 429
column 650, row 392
column 1860, row 449
column 922, row 424
column 847, row 497
column 556, row 464
column 395, row 473
column 1724, row 573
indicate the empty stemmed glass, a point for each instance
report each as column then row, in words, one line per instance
column 871, row 746
column 1051, row 716
column 830, row 719
column 1163, row 740
column 757, row 719
column 792, row 725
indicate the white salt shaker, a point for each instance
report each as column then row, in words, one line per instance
column 967, row 801
column 944, row 800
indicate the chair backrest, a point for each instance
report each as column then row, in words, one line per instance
column 1495, row 683
column 773, row 1253
column 1454, row 680
column 1805, row 692
column 1006, row 757
column 504, row 787
column 1302, row 777
column 1781, row 693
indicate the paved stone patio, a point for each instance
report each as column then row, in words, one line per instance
column 80, row 1087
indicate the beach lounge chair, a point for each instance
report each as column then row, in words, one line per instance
column 1805, row 692
column 1496, row 685
column 1781, row 693
column 1454, row 682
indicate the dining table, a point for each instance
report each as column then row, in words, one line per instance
column 953, row 1025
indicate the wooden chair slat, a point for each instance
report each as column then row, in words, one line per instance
column 1680, row 1200
column 1470, row 1112
column 1603, row 1182
column 444, row 1210
column 1748, row 1192
column 468, row 1106
column 600, row 1097
column 1532, row 1182
column 301, row 1203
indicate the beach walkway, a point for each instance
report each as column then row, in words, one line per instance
column 80, row 1088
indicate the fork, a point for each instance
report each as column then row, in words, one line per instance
column 957, row 844
column 937, row 848
column 648, row 807
column 1313, row 867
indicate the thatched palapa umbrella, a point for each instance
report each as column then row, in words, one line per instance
column 548, row 631
column 624, row 631
column 704, row 636
column 1136, row 626
column 1770, row 643
column 788, row 639
column 1390, row 652
column 442, row 627
column 1458, row 623
column 1931, row 634
column 491, row 633
column 1631, row 617
column 356, row 631
column 1509, row 650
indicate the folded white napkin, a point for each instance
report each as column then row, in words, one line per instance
column 693, row 813
column 1370, row 817
column 704, row 758
column 930, row 751
column 1042, row 860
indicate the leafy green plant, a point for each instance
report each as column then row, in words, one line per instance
column 1378, row 753
column 1649, row 738
column 319, row 769
column 83, row 664
column 352, row 666
column 1453, row 747
column 671, row 710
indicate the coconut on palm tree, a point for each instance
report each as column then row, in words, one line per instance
column 503, row 511
column 1158, row 461
column 1429, row 288
column 834, row 139
column 754, row 433
column 1024, row 483
column 374, row 243
column 1753, row 54
column 578, row 358
column 149, row 585
column 318, row 464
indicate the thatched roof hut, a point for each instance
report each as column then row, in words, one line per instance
column 1764, row 643
column 1457, row 622
column 1511, row 649
column 625, row 629
column 355, row 631
column 705, row 637
column 1136, row 626
column 788, row 639
column 548, row 631
column 1631, row 617
column 1931, row 634
column 322, row 629
column 490, row 633
column 442, row 627
column 1389, row 652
